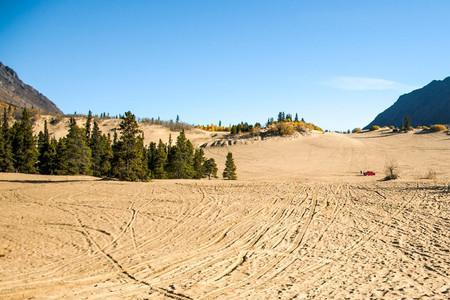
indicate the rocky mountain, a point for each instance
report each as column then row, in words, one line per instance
column 16, row 93
column 426, row 106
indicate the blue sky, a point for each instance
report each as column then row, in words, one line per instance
column 336, row 63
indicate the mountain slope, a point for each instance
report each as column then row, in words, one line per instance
column 425, row 106
column 13, row 91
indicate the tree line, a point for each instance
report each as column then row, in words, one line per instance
column 88, row 151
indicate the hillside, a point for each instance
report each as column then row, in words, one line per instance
column 15, row 92
column 152, row 133
column 425, row 106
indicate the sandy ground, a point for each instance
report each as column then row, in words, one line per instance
column 298, row 224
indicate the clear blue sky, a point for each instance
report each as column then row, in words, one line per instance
column 336, row 63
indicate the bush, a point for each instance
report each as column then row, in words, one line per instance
column 285, row 128
column 391, row 171
column 438, row 128
column 55, row 120
column 356, row 130
column 374, row 127
column 431, row 174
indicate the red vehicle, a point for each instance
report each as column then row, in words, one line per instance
column 369, row 173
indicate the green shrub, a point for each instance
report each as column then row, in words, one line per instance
column 374, row 127
column 356, row 130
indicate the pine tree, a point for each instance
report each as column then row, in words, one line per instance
column 159, row 170
column 210, row 168
column 199, row 160
column 296, row 117
column 101, row 152
column 6, row 156
column 230, row 168
column 46, row 152
column 75, row 154
column 129, row 156
column 407, row 124
column 151, row 157
column 60, row 162
column 24, row 144
column 182, row 159
column 88, row 125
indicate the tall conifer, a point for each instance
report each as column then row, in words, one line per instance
column 230, row 168
column 24, row 144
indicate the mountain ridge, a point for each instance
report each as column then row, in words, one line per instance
column 13, row 91
column 425, row 106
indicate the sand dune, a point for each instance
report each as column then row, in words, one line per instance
column 152, row 133
column 333, row 156
column 300, row 223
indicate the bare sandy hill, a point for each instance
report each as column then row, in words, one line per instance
column 334, row 156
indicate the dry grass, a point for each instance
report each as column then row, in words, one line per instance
column 431, row 174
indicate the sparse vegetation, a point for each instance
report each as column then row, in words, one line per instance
column 391, row 171
column 438, row 128
column 356, row 130
column 374, row 127
column 213, row 128
column 431, row 174
column 172, row 125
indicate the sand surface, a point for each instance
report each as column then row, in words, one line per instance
column 298, row 224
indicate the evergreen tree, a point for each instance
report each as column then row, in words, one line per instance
column 129, row 156
column 407, row 124
column 75, row 155
column 296, row 117
column 46, row 152
column 151, row 157
column 199, row 160
column 88, row 125
column 280, row 117
column 160, row 161
column 24, row 144
column 230, row 168
column 182, row 159
column 101, row 152
column 210, row 168
column 6, row 156
column 61, row 164
column 288, row 118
